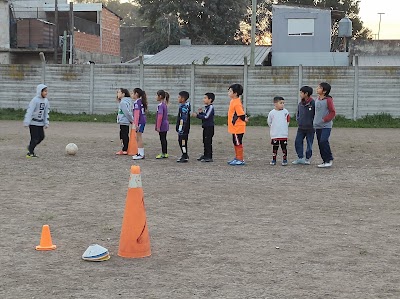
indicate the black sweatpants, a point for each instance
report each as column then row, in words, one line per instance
column 183, row 144
column 124, row 136
column 164, row 144
column 37, row 136
column 208, row 134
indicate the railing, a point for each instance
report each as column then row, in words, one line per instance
column 86, row 26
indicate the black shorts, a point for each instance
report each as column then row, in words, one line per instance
column 278, row 142
column 237, row 139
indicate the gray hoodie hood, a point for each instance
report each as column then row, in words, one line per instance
column 39, row 89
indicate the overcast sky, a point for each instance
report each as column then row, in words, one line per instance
column 390, row 25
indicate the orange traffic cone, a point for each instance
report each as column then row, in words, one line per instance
column 132, row 146
column 134, row 241
column 45, row 240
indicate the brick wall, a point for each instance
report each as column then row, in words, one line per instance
column 110, row 33
column 87, row 42
column 108, row 44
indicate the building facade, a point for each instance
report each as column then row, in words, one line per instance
column 302, row 35
column 30, row 28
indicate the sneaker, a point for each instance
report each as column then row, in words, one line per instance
column 137, row 157
column 231, row 161
column 237, row 163
column 307, row 162
column 325, row 164
column 121, row 153
column 200, row 158
column 162, row 156
column 273, row 162
column 183, row 160
column 284, row 163
column 299, row 161
column 29, row 155
column 207, row 160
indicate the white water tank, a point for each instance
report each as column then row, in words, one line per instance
column 345, row 28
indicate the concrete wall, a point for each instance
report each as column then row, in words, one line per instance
column 4, row 25
column 4, row 32
column 357, row 91
column 310, row 59
column 282, row 42
column 82, row 57
column 375, row 47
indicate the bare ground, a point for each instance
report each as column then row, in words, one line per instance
column 217, row 231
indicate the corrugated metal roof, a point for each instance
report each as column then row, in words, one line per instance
column 218, row 55
column 379, row 60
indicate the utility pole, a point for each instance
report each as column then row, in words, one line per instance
column 380, row 19
column 253, row 32
column 71, row 32
column 64, row 52
column 56, row 42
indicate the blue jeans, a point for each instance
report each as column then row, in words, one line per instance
column 298, row 143
column 323, row 143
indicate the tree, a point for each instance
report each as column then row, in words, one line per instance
column 128, row 11
column 342, row 8
column 165, row 31
column 204, row 22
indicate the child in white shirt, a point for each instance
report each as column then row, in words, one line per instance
column 278, row 121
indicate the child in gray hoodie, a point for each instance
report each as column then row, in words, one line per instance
column 37, row 118
column 124, row 118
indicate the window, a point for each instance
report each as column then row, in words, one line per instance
column 297, row 27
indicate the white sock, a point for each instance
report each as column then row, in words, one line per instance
column 141, row 151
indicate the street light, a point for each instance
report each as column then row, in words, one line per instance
column 380, row 19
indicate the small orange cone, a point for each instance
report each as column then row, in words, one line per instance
column 135, row 240
column 45, row 240
column 132, row 146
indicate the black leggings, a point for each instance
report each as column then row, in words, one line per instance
column 163, row 139
column 124, row 136
column 37, row 136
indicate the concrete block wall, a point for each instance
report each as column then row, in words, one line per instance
column 357, row 91
column 4, row 24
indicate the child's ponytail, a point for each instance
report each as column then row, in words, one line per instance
column 143, row 96
column 144, row 100
column 167, row 97
column 164, row 95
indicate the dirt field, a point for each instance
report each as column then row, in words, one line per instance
column 217, row 231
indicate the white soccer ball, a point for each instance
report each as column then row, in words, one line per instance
column 71, row 149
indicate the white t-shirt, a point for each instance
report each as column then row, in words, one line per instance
column 278, row 121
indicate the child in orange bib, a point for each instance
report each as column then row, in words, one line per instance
column 236, row 123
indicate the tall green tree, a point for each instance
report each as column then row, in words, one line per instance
column 341, row 8
column 204, row 22
column 128, row 11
